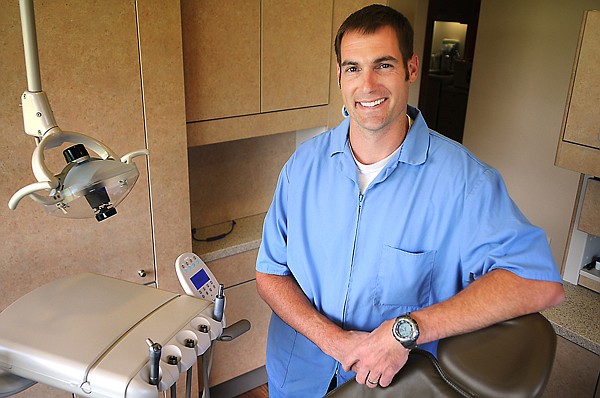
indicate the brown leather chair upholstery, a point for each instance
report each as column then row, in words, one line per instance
column 510, row 359
column 11, row 384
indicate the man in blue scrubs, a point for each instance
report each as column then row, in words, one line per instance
column 383, row 235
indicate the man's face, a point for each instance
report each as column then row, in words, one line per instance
column 373, row 80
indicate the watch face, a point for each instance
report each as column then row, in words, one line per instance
column 405, row 329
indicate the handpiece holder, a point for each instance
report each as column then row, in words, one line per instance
column 234, row 331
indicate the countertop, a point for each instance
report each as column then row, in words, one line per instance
column 577, row 319
column 245, row 236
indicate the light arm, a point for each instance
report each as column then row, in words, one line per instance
column 29, row 190
column 32, row 63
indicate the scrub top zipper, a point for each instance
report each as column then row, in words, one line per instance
column 361, row 198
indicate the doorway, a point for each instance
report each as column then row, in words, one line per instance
column 447, row 62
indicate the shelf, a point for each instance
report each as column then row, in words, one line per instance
column 592, row 274
column 246, row 236
column 258, row 125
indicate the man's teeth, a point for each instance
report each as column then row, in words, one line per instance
column 372, row 103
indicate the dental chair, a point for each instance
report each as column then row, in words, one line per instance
column 12, row 384
column 509, row 359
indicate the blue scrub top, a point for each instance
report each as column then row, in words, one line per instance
column 433, row 219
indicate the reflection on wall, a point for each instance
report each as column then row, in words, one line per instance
column 447, row 45
column 449, row 30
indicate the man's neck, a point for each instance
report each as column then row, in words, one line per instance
column 370, row 147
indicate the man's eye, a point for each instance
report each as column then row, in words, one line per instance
column 351, row 69
column 385, row 66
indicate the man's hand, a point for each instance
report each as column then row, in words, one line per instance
column 377, row 358
column 343, row 344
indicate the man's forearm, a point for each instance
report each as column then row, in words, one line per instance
column 496, row 296
column 287, row 300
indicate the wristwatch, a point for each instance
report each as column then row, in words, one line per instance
column 406, row 331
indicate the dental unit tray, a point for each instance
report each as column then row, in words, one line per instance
column 87, row 333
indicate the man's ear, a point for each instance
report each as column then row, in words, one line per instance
column 339, row 76
column 413, row 68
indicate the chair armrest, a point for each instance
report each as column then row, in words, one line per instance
column 509, row 359
column 11, row 384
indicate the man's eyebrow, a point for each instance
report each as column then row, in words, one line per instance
column 379, row 60
column 346, row 63
column 385, row 59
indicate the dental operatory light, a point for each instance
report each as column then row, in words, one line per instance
column 87, row 186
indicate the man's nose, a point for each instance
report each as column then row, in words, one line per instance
column 370, row 80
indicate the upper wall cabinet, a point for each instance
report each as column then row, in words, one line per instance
column 579, row 148
column 255, row 67
column 221, row 51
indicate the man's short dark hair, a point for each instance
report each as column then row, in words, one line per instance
column 372, row 18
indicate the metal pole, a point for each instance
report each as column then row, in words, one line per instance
column 32, row 62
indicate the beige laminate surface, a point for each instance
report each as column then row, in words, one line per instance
column 255, row 125
column 589, row 221
column 221, row 42
column 583, row 116
column 579, row 146
column 246, row 236
column 164, row 114
column 248, row 351
column 296, row 44
column 236, row 179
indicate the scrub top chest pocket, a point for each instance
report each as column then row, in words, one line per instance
column 403, row 280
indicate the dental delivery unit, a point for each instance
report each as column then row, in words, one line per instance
column 98, row 336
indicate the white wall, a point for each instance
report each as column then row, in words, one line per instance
column 522, row 67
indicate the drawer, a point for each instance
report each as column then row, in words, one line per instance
column 235, row 269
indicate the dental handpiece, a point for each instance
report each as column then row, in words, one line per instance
column 155, row 350
column 219, row 304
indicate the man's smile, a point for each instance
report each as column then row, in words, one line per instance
column 371, row 104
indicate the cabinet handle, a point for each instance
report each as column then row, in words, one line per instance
column 142, row 273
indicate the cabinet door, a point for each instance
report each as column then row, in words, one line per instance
column 247, row 352
column 221, row 47
column 589, row 220
column 583, row 119
column 297, row 44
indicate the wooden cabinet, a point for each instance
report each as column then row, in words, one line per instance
column 296, row 46
column 255, row 67
column 221, row 50
column 589, row 220
column 579, row 147
column 248, row 351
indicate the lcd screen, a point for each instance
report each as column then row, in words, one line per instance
column 199, row 279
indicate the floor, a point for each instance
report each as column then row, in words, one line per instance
column 576, row 372
column 259, row 392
